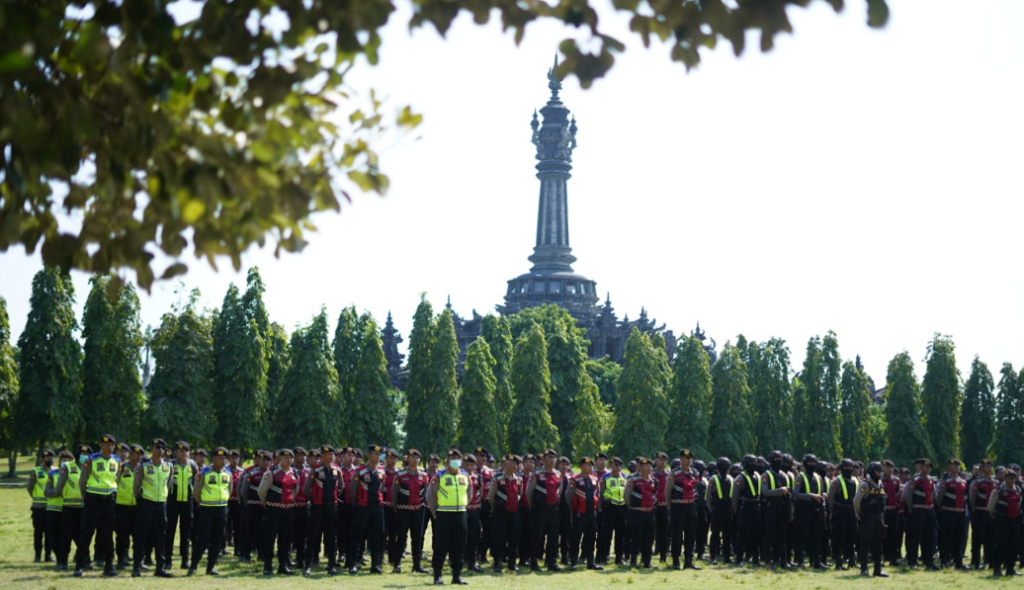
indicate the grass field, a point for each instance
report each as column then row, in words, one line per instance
column 18, row 571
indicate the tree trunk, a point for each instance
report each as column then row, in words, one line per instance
column 12, row 463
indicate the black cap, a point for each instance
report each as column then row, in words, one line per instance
column 510, row 457
column 138, row 449
column 285, row 453
column 564, row 459
column 374, row 449
column 49, row 453
column 586, row 461
column 85, row 449
column 530, row 457
column 810, row 458
column 644, row 461
column 391, row 452
column 235, row 453
column 454, row 454
column 327, row 449
column 470, row 459
column 1011, row 473
column 662, row 455
column 433, row 457
column 123, row 446
column 480, row 451
column 953, row 461
column 888, row 463
column 683, row 453
column 299, row 451
column 182, row 446
column 66, row 454
column 617, row 460
column 200, row 452
column 986, row 462
column 413, row 453
column 220, row 452
column 108, row 438
column 926, row 462
column 159, row 443
column 348, row 450
column 267, row 455
column 600, row 456
column 550, row 453
column 314, row 453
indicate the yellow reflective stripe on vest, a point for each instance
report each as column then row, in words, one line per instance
column 102, row 475
column 750, row 484
column 71, row 494
column 216, row 488
column 718, row 484
column 846, row 494
column 452, row 492
column 771, row 477
column 807, row 483
column 154, row 481
column 125, row 486
column 615, row 489
column 54, row 504
column 39, row 488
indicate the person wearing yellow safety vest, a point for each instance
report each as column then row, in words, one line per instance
column 66, row 488
column 746, row 503
column 809, row 493
column 612, row 505
column 36, row 487
column 179, row 504
column 844, row 519
column 54, row 503
column 775, row 488
column 126, row 504
column 448, row 496
column 211, row 492
column 152, row 487
column 719, row 501
column 98, row 485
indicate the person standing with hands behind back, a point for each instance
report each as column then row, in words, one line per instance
column 448, row 498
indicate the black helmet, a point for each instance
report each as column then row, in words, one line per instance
column 723, row 464
column 787, row 460
column 873, row 467
column 810, row 458
column 699, row 466
column 775, row 455
column 748, row 460
column 846, row 464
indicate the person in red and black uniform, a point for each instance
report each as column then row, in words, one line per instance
column 683, row 498
column 301, row 508
column 313, row 461
column 252, row 513
column 564, row 514
column 504, row 496
column 661, row 474
column 526, row 524
column 920, row 495
column 486, row 475
column 981, row 520
column 408, row 491
column 348, row 469
column 234, row 527
column 473, row 513
column 953, row 504
column 582, row 500
column 542, row 493
column 1004, row 504
column 367, row 498
column 277, row 492
column 323, row 487
column 893, row 523
column 390, row 471
column 641, row 498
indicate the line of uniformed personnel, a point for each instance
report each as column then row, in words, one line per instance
column 532, row 511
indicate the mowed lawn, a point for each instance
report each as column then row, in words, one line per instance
column 18, row 571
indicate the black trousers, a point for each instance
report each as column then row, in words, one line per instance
column 684, row 531
column 53, row 526
column 71, row 532
column 323, row 520
column 98, row 517
column 449, row 541
column 525, row 535
column 345, row 512
column 893, row 534
column 368, row 526
column 278, row 525
column 408, row 523
column 179, row 514
column 809, row 523
column 150, row 533
column 233, row 529
column 844, row 534
column 721, row 531
column 641, row 533
column 210, row 535
column 981, row 537
column 39, row 537
column 125, row 528
column 486, row 517
column 775, row 532
column 1007, row 534
column 564, row 532
column 662, row 543
column 252, row 531
column 472, row 536
column 299, row 532
column 748, row 530
column 921, row 534
column 703, row 521
column 584, row 530
column 872, row 532
column 951, row 537
column 505, row 537
column 545, row 524
column 613, row 524
column 389, row 530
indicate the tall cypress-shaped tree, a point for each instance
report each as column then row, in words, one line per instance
column 277, row 367
column 907, row 437
column 371, row 400
column 567, row 357
column 530, row 428
column 591, row 419
column 110, row 367
column 417, row 389
column 8, row 389
column 689, row 399
column 942, row 396
column 1008, row 445
column 641, row 420
column 477, row 424
column 605, row 374
column 831, row 375
column 347, row 337
column 496, row 331
column 305, row 409
column 181, row 393
column 48, row 406
column 855, row 434
column 978, row 410
column 770, row 398
column 820, row 411
column 731, row 432
column 442, row 409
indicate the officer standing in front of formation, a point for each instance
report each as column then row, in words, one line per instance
column 151, row 486
column 409, row 492
column 1004, row 504
column 126, row 504
column 640, row 492
column 981, row 519
column 683, row 498
column 844, row 517
column 211, row 492
column 68, row 491
column 746, row 504
column 504, row 496
column 55, row 505
column 36, row 489
column 98, row 485
column 277, row 493
column 367, row 498
column 448, row 496
column 719, row 500
column 953, row 504
column 869, row 505
column 920, row 495
column 322, row 487
column 542, row 493
column 582, row 500
column 613, row 514
column 179, row 505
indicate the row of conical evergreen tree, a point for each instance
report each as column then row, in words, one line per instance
column 231, row 376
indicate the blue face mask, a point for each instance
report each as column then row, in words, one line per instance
column 83, row 458
column 455, row 463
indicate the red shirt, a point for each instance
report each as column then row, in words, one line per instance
column 892, row 492
column 643, row 495
column 476, row 491
column 346, row 475
column 369, row 492
column 954, row 496
column 327, row 484
column 507, row 496
column 684, row 486
column 411, row 488
column 282, row 490
column 546, row 489
column 300, row 497
column 254, row 476
column 584, row 493
column 661, row 480
column 389, row 478
column 982, row 488
column 922, row 490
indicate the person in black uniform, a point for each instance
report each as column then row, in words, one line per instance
column 179, row 505
column 870, row 507
column 448, row 496
column 844, row 518
column 809, row 495
column 485, row 461
column 682, row 494
column 504, row 496
column 367, row 498
column 211, row 492
column 1004, row 504
column 322, row 488
column 776, row 491
column 746, row 503
column 703, row 515
column 564, row 514
column 542, row 493
column 920, row 495
column 582, row 501
column 719, row 502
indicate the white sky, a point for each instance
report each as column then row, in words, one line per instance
column 863, row 181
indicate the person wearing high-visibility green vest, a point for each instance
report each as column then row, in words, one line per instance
column 36, row 487
column 54, row 503
column 844, row 519
column 212, row 492
column 126, row 506
column 746, row 503
column 179, row 504
column 66, row 488
column 448, row 496
column 809, row 494
column 776, row 490
column 612, row 488
column 719, row 500
column 151, row 487
column 98, row 485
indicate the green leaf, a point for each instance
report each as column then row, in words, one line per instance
column 878, row 13
column 14, row 61
column 192, row 211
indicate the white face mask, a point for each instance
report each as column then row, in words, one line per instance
column 455, row 463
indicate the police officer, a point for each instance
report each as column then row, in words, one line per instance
column 199, row 456
column 473, row 512
column 68, row 490
column 391, row 457
column 301, row 505
column 504, row 496
column 151, row 485
column 542, row 494
column 55, row 504
column 809, row 495
column 953, row 505
column 126, row 505
column 564, row 514
column 893, row 492
column 211, row 492
column 920, row 495
column 869, row 505
column 409, row 493
column 613, row 509
column 277, row 493
column 179, row 504
column 844, row 517
column 776, row 491
column 448, row 496
column 640, row 492
column 98, row 485
column 981, row 520
column 526, row 526
column 719, row 501
column 484, row 462
column 661, row 475
column 233, row 530
column 367, row 498
column 36, row 489
column 345, row 510
column 582, row 501
column 703, row 514
column 746, row 503
column 322, row 487
column 1004, row 504
column 252, row 516
column 683, row 499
